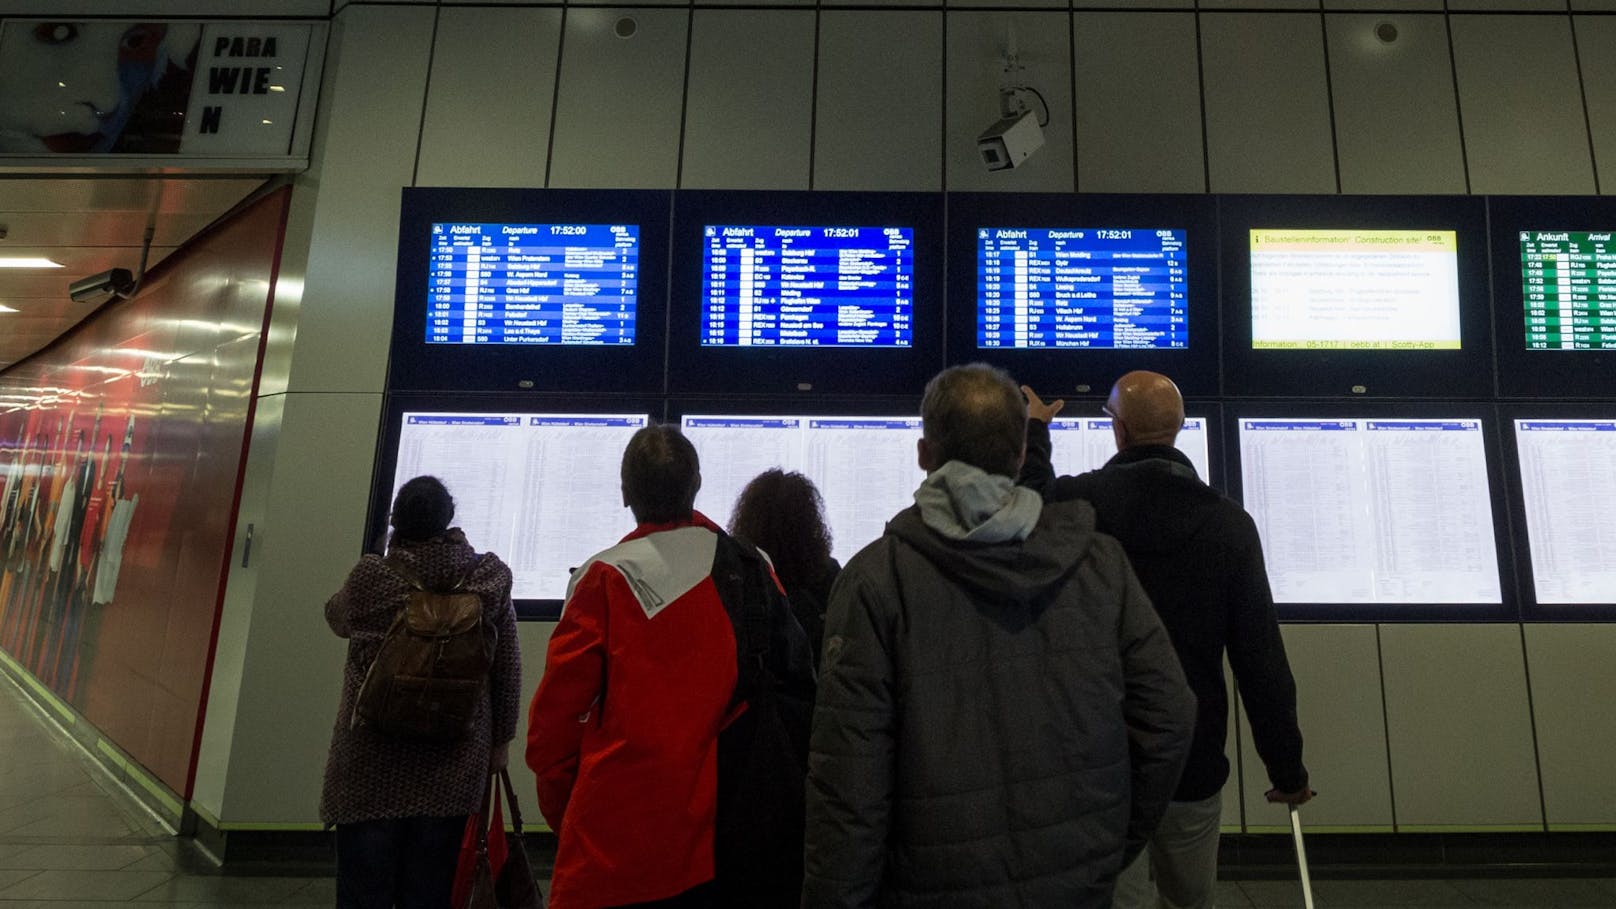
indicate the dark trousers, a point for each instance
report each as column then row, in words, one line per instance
column 408, row 863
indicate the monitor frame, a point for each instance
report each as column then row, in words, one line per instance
column 1082, row 371
column 813, row 371
column 1508, row 610
column 1521, row 532
column 386, row 461
column 415, row 365
column 1524, row 373
column 1463, row 373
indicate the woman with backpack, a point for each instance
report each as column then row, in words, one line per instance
column 401, row 783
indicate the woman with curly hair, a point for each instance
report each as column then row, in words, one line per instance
column 782, row 514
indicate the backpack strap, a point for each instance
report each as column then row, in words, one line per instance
column 413, row 579
column 748, row 598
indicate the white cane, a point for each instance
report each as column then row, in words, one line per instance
column 1301, row 857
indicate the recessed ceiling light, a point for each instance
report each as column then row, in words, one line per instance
column 27, row 262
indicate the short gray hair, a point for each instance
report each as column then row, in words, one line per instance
column 975, row 413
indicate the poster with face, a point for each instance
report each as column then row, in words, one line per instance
column 89, row 87
column 150, row 89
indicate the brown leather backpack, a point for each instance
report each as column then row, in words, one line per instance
column 431, row 672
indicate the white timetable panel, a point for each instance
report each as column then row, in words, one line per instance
column 1355, row 289
column 540, row 490
column 866, row 468
column 1082, row 444
column 1372, row 511
column 1568, row 481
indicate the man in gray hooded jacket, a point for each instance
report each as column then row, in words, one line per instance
column 1001, row 717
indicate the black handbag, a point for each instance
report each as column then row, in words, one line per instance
column 514, row 886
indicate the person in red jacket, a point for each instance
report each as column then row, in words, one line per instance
column 638, row 684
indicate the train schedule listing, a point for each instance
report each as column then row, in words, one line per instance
column 1081, row 288
column 533, row 284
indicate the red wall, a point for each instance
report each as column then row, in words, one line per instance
column 138, row 419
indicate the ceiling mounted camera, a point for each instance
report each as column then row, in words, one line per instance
column 1019, row 131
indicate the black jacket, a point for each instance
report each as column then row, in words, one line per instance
column 985, row 713
column 1198, row 556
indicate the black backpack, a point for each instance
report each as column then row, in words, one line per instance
column 763, row 754
column 431, row 673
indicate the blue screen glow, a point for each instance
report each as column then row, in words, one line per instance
column 808, row 286
column 532, row 284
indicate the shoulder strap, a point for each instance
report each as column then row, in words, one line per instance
column 749, row 614
column 414, row 580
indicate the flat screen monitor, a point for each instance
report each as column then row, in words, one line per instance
column 808, row 286
column 520, row 290
column 533, row 283
column 1568, row 484
column 866, row 468
column 1568, row 288
column 805, row 293
column 538, row 489
column 1081, row 444
column 1069, row 292
column 1379, row 296
column 1379, row 289
column 1077, row 288
column 1372, row 511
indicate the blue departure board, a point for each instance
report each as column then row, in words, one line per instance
column 808, row 286
column 1081, row 287
column 532, row 284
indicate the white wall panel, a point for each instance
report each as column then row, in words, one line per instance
column 489, row 100
column 749, row 107
column 1596, row 47
column 1233, row 819
column 1459, row 727
column 364, row 151
column 1267, row 104
column 1396, row 112
column 1573, row 671
column 235, row 616
column 309, row 538
column 1604, row 6
column 976, row 49
column 1338, row 705
column 1524, row 127
column 535, row 640
column 621, row 99
column 879, row 111
column 1138, row 103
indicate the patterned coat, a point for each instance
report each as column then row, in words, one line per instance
column 369, row 776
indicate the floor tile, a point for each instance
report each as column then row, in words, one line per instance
column 84, row 885
column 318, row 890
column 88, row 857
column 1230, row 896
column 224, row 889
column 1517, row 892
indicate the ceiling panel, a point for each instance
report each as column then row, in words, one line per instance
column 91, row 224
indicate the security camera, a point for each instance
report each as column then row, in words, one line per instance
column 112, row 284
column 1010, row 140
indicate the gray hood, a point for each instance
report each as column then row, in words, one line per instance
column 1016, row 571
column 967, row 503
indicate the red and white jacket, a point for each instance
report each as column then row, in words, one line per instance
column 623, row 731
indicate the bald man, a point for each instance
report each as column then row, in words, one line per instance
column 1198, row 557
